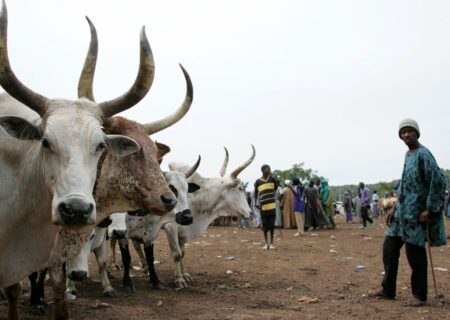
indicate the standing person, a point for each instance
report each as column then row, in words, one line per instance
column 364, row 195
column 265, row 189
column 242, row 222
column 419, row 207
column 313, row 217
column 348, row 206
column 299, row 206
column 257, row 214
column 327, row 199
column 287, row 203
column 358, row 207
column 278, row 215
column 375, row 204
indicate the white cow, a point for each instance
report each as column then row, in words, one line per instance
column 139, row 226
column 48, row 165
column 222, row 196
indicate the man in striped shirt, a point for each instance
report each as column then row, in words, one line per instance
column 265, row 189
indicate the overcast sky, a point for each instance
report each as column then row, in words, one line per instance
column 320, row 82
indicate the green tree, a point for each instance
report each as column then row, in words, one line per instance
column 297, row 171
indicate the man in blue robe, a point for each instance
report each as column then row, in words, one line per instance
column 419, row 207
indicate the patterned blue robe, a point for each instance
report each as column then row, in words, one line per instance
column 422, row 187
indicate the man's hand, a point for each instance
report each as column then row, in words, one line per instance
column 424, row 216
column 390, row 216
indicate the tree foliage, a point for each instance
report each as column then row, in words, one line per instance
column 297, row 171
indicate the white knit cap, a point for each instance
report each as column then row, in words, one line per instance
column 411, row 123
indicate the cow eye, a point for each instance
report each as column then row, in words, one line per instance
column 45, row 143
column 101, row 146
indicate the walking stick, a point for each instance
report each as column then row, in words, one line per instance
column 431, row 260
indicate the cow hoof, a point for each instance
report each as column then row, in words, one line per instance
column 110, row 294
column 38, row 310
column 158, row 285
column 179, row 284
column 129, row 289
column 71, row 295
column 115, row 266
column 187, row 277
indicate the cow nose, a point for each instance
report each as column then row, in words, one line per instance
column 169, row 201
column 77, row 275
column 75, row 211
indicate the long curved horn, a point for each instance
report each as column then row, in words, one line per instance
column 223, row 170
column 8, row 79
column 239, row 169
column 166, row 122
column 140, row 86
column 85, row 84
column 194, row 168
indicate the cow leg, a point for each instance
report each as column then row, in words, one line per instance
column 58, row 279
column 37, row 293
column 126, row 260
column 12, row 293
column 150, row 256
column 138, row 248
column 172, row 237
column 186, row 276
column 71, row 289
column 100, row 255
column 112, row 262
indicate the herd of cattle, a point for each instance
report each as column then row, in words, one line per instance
column 71, row 172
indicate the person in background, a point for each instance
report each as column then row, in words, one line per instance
column 313, row 213
column 243, row 223
column 375, row 204
column 327, row 199
column 287, row 203
column 299, row 206
column 348, row 207
column 364, row 195
column 265, row 189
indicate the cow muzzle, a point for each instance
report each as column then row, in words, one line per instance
column 76, row 211
column 77, row 275
column 184, row 217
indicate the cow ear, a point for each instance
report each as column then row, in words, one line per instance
column 122, row 146
column 162, row 150
column 20, row 128
column 192, row 187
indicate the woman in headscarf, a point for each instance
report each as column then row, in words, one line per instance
column 327, row 199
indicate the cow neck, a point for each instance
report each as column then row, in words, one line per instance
column 202, row 218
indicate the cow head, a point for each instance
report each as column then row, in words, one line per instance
column 69, row 138
column 224, row 195
column 139, row 176
column 145, row 227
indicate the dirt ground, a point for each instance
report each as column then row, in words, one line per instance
column 267, row 284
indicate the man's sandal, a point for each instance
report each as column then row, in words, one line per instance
column 414, row 302
column 380, row 293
